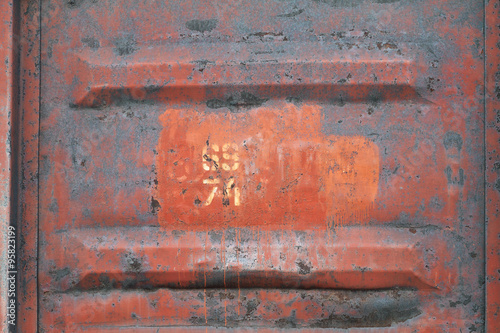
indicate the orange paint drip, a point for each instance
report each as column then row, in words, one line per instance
column 205, row 279
column 205, row 301
column 223, row 255
column 179, row 263
column 223, row 259
column 238, row 265
column 258, row 245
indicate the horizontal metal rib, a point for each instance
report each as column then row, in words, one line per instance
column 269, row 70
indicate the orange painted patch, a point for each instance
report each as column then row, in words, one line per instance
column 267, row 166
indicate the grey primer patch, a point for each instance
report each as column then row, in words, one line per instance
column 237, row 101
column 292, row 14
column 54, row 207
column 295, row 100
column 60, row 273
column 91, row 42
column 374, row 312
column 74, row 3
column 202, row 25
column 351, row 3
column 452, row 179
column 132, row 263
column 435, row 204
column 125, row 45
column 178, row 233
column 452, row 139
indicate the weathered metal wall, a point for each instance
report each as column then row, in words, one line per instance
column 6, row 106
column 28, row 127
column 257, row 165
column 9, row 120
column 224, row 150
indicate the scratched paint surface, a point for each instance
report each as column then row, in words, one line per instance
column 268, row 167
column 261, row 164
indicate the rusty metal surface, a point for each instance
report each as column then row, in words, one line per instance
column 28, row 127
column 263, row 165
column 8, row 100
column 492, row 117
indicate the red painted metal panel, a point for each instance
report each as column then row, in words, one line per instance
column 256, row 165
column 27, row 205
column 307, row 165
column 8, row 88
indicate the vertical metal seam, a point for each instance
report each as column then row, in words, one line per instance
column 38, row 165
column 15, row 158
column 7, row 115
column 485, row 180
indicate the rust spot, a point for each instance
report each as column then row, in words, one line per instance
column 386, row 46
column 303, row 268
column 155, row 205
column 237, row 102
